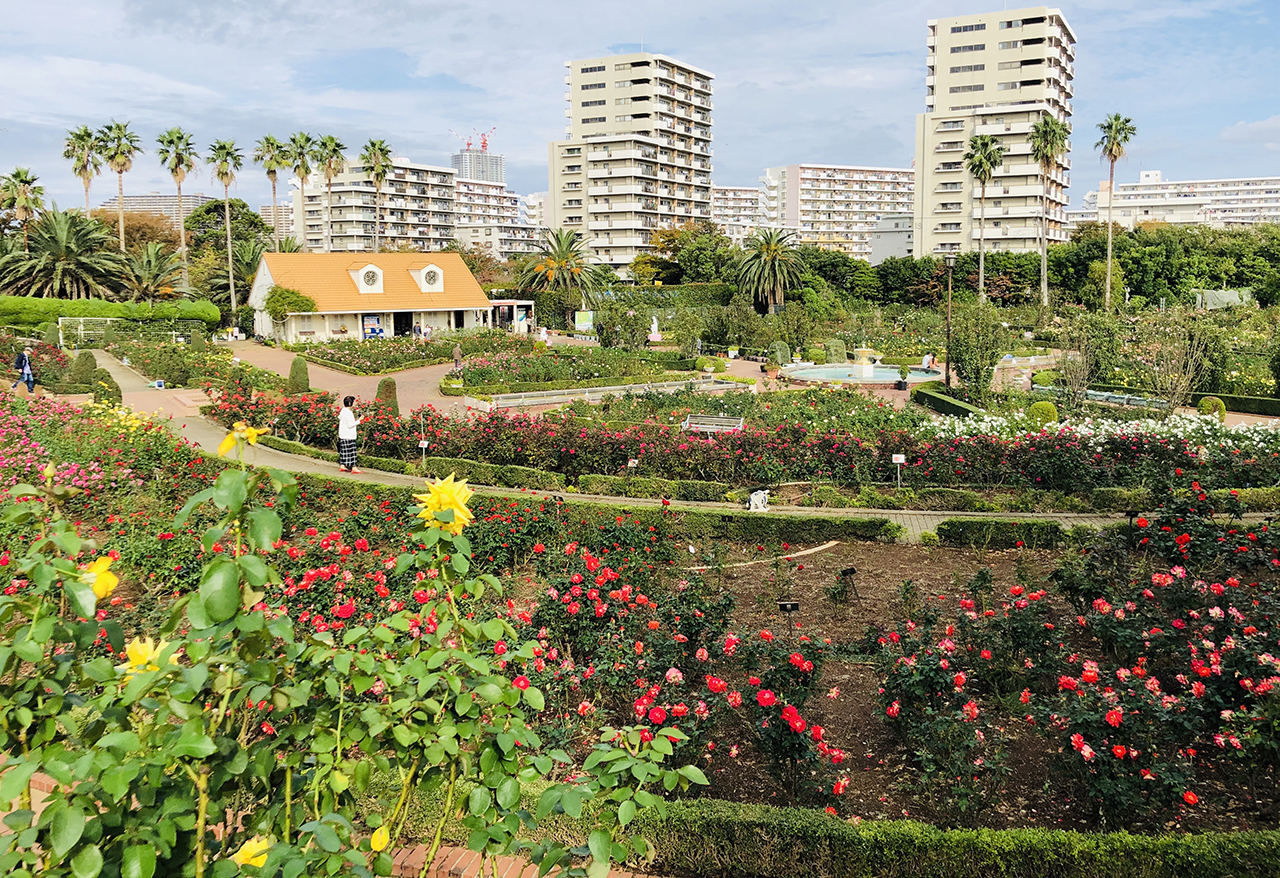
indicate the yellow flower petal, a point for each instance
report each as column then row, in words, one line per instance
column 381, row 838
column 227, row 444
column 104, row 584
column 252, row 853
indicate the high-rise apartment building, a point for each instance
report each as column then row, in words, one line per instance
column 1234, row 201
column 489, row 215
column 480, row 164
column 165, row 205
column 533, row 209
column 738, row 210
column 835, row 207
column 279, row 216
column 636, row 153
column 995, row 73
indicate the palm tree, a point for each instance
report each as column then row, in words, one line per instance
column 1048, row 143
column 70, row 257
column 119, row 145
column 1117, row 131
column 246, row 255
column 226, row 159
column 152, row 273
column 329, row 155
column 985, row 154
column 301, row 152
column 562, row 264
column 771, row 267
column 83, row 149
column 376, row 158
column 19, row 193
column 178, row 156
column 272, row 155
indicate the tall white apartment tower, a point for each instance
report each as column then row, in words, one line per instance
column 995, row 73
column 636, row 153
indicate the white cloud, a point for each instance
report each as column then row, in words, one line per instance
column 1265, row 132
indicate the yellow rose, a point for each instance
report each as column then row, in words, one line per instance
column 381, row 838
column 100, row 577
column 142, row 655
column 446, row 494
column 241, row 431
column 252, row 853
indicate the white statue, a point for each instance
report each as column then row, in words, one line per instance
column 758, row 502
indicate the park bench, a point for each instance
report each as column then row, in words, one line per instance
column 710, row 424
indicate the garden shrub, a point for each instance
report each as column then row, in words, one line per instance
column 817, row 356
column 283, row 301
column 526, row 477
column 993, row 533
column 387, row 393
column 299, row 376
column 105, row 388
column 949, row 500
column 836, row 352
column 930, row 394
column 1250, row 499
column 1212, row 405
column 717, row 365
column 82, row 368
column 198, row 344
column 780, row 353
column 1119, row 499
column 1046, row 378
column 1042, row 414
column 826, row 496
column 52, row 336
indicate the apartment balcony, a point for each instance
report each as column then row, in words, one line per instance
column 959, row 147
column 994, row 190
column 994, row 128
column 1028, row 211
column 620, row 206
column 1017, row 233
column 944, row 209
column 939, row 230
column 624, row 188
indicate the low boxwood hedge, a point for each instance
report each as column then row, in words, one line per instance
column 449, row 389
column 999, row 533
column 385, row 464
column 930, row 395
column 1249, row 405
column 645, row 486
column 351, row 370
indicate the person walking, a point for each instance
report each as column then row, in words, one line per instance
column 457, row 356
column 26, row 375
column 347, row 423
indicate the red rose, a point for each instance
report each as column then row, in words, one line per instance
column 766, row 698
column 1190, row 798
column 521, row 682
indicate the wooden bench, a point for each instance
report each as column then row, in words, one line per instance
column 710, row 424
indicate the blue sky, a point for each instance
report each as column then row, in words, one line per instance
column 799, row 81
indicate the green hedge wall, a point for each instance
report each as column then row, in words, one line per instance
column 536, row 386
column 27, row 311
column 930, row 395
column 386, row 464
column 653, row 488
column 997, row 533
column 714, row 839
column 1249, row 405
column 342, row 367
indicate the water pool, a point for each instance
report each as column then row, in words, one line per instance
column 879, row 374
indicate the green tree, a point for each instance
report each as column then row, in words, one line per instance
column 770, row 268
column 69, row 257
column 206, row 226
column 177, row 153
column 152, row 273
column 376, row 158
column 977, row 340
column 984, row 155
column 119, row 146
column 20, row 193
column 1117, row 131
column 1048, row 143
column 300, row 153
column 330, row 155
column 274, row 157
column 83, row 149
column 562, row 264
column 246, row 256
column 387, row 393
column 299, row 376
column 226, row 159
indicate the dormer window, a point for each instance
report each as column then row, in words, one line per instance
column 429, row 277
column 367, row 277
column 370, row 278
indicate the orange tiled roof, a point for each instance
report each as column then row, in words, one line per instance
column 326, row 278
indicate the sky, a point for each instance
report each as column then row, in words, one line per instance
column 799, row 81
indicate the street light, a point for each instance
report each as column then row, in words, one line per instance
column 950, row 258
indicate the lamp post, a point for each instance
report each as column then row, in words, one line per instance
column 950, row 258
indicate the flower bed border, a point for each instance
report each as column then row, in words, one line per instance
column 351, row 370
column 1000, row 533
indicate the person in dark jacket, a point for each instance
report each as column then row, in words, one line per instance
column 26, row 373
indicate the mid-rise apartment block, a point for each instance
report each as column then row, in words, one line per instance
column 480, row 164
column 1235, row 201
column 533, row 209
column 835, row 207
column 636, row 153
column 995, row 73
column 488, row 214
column 165, row 205
column 278, row 216
column 738, row 210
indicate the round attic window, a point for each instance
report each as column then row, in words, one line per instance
column 370, row 278
column 431, row 277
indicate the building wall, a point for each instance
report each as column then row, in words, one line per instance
column 636, row 154
column 480, row 164
column 280, row 217
column 835, row 207
column 1240, row 201
column 165, row 205
column 993, row 73
column 893, row 236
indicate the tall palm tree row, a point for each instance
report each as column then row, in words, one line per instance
column 1048, row 144
column 330, row 155
column 985, row 154
column 376, row 157
column 273, row 156
column 771, row 267
column 19, row 193
column 301, row 152
column 226, row 159
column 177, row 153
column 84, row 150
column 118, row 146
column 1117, row 131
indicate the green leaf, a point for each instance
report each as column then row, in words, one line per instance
column 194, row 745
column 493, row 629
column 693, row 774
column 534, row 698
column 191, row 505
column 42, row 629
column 264, row 528
column 325, row 836
column 87, row 863
column 255, row 569
column 197, row 615
column 662, row 745
column 231, row 489
column 139, row 862
column 220, row 589
column 83, row 600
column 461, row 563
column 490, row 692
column 479, row 801
column 509, row 793
column 572, row 802
column 65, row 830
column 15, row 780
column 600, row 843
column 626, row 812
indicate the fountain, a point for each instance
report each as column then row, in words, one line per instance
column 864, row 364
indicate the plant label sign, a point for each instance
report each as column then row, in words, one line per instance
column 899, row 458
column 423, row 443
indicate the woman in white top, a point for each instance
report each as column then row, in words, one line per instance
column 347, row 422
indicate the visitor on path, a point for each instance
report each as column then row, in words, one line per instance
column 542, row 336
column 22, row 363
column 426, row 333
column 457, row 356
column 417, row 332
column 347, row 423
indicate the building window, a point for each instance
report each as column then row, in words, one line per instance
column 966, row 28
column 593, row 103
column 304, row 322
column 574, row 150
column 1010, row 65
column 969, row 68
column 956, row 50
column 954, row 125
column 1008, row 86
column 588, row 86
column 947, row 227
column 588, row 120
column 1011, row 44
column 572, row 169
column 621, row 66
column 960, row 88
column 592, row 69
column 949, row 187
column 620, row 101
column 949, row 205
column 950, row 166
column 1005, row 25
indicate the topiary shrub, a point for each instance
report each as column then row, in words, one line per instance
column 105, row 388
column 387, row 393
column 836, row 352
column 109, row 335
column 817, row 356
column 82, row 368
column 716, row 364
column 1211, row 405
column 780, row 351
column 299, row 377
column 1042, row 413
column 1045, row 378
column 52, row 336
column 198, row 344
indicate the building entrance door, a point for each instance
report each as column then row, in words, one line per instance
column 403, row 322
column 459, row 319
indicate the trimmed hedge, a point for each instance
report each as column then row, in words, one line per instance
column 715, row 839
column 385, row 464
column 350, row 370
column 653, row 488
column 999, row 533
column 1120, row 499
column 930, row 395
column 1248, row 405
column 536, row 386
column 951, row 500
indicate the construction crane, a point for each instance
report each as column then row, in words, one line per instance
column 465, row 140
column 484, row 139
